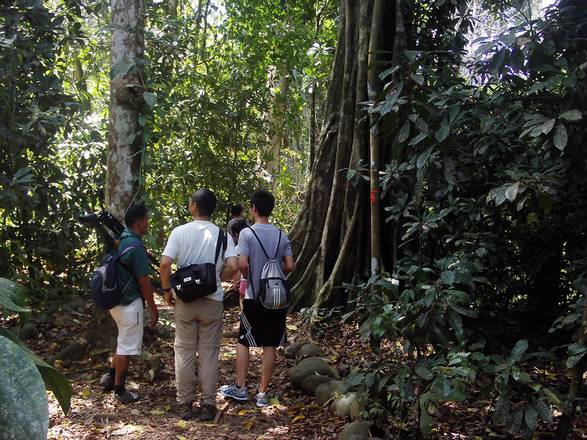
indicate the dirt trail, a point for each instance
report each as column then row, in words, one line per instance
column 95, row 415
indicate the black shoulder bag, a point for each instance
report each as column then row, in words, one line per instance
column 198, row 280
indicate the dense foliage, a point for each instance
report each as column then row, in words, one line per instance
column 36, row 204
column 485, row 191
column 208, row 88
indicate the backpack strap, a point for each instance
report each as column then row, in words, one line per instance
column 128, row 269
column 277, row 248
column 220, row 245
column 123, row 253
column 261, row 244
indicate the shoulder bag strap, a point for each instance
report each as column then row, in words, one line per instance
column 220, row 245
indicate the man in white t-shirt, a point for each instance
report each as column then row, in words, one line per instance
column 198, row 324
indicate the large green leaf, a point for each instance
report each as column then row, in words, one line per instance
column 24, row 409
column 519, row 349
column 54, row 380
column 572, row 115
column 11, row 296
column 560, row 137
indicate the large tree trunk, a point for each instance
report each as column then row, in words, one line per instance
column 278, row 82
column 125, row 137
column 374, row 87
column 330, row 237
column 312, row 128
column 125, row 133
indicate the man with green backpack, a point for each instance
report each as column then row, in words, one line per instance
column 133, row 287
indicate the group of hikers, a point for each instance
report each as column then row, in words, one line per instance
column 239, row 258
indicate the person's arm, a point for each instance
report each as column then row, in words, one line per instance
column 243, row 265
column 170, row 254
column 230, row 260
column 229, row 268
column 141, row 270
column 288, row 264
column 147, row 291
column 165, row 273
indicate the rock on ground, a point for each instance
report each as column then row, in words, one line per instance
column 355, row 431
column 313, row 365
column 311, row 382
column 292, row 349
column 342, row 405
column 328, row 390
column 309, row 350
column 75, row 351
column 28, row 331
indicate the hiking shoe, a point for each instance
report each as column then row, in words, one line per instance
column 107, row 383
column 234, row 392
column 262, row 400
column 207, row 413
column 127, row 397
column 184, row 410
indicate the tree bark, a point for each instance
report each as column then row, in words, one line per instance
column 307, row 229
column 125, row 137
column 278, row 83
column 312, row 134
column 330, row 235
column 325, row 234
column 374, row 138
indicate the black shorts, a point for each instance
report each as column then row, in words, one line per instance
column 261, row 327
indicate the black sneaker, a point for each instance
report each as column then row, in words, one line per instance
column 184, row 410
column 127, row 397
column 207, row 413
column 107, row 383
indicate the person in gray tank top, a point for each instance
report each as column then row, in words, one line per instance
column 259, row 326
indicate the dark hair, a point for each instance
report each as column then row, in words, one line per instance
column 135, row 213
column 236, row 210
column 238, row 226
column 264, row 201
column 205, row 200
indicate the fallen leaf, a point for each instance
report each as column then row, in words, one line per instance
column 244, row 412
column 86, row 392
column 182, row 437
column 292, row 327
column 298, row 417
column 248, row 425
column 274, row 401
column 157, row 412
column 128, row 429
column 182, row 424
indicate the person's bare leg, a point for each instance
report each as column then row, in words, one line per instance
column 242, row 364
column 269, row 355
column 121, row 364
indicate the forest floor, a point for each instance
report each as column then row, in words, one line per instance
column 95, row 415
column 291, row 415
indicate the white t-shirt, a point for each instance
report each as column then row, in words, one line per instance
column 195, row 243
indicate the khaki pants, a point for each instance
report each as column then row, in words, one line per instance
column 198, row 328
